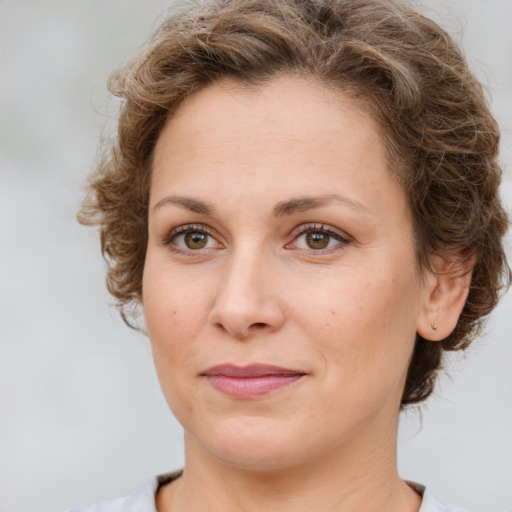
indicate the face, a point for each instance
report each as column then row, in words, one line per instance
column 281, row 292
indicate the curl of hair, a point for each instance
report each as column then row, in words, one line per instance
column 441, row 138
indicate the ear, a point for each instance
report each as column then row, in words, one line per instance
column 446, row 289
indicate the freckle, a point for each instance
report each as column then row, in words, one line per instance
column 174, row 312
column 333, row 312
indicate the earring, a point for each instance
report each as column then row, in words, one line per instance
column 434, row 326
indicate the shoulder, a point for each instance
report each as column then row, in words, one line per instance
column 142, row 500
column 431, row 504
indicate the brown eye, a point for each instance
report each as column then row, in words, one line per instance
column 192, row 239
column 317, row 240
column 196, row 240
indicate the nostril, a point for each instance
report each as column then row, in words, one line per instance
column 258, row 324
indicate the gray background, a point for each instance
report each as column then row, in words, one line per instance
column 81, row 414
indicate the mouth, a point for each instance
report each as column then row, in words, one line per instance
column 251, row 381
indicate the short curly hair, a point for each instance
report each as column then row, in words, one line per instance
column 441, row 138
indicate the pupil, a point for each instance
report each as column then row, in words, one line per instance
column 196, row 240
column 317, row 240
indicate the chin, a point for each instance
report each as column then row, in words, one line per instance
column 253, row 445
column 256, row 459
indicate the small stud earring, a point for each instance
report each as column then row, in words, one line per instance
column 434, row 326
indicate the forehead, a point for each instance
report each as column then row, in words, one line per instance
column 291, row 134
column 286, row 108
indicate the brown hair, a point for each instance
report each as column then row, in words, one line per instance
column 441, row 137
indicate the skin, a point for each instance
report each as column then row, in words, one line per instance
column 257, row 292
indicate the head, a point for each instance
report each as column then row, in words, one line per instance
column 404, row 72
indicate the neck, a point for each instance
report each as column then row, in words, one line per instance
column 361, row 476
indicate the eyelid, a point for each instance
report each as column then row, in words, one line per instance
column 189, row 228
column 337, row 234
column 342, row 237
column 315, row 226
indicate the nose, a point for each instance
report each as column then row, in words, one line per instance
column 247, row 301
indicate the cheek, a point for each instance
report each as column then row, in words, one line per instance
column 173, row 319
column 349, row 302
column 173, row 310
column 361, row 322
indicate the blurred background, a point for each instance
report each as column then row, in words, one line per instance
column 82, row 418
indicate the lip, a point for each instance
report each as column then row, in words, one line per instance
column 252, row 381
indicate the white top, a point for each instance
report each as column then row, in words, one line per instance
column 143, row 500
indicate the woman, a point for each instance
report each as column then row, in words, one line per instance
column 303, row 198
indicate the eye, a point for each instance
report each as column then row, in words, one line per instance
column 195, row 240
column 318, row 238
column 191, row 238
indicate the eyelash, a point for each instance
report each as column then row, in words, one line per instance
column 183, row 230
column 342, row 238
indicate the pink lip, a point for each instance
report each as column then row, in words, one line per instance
column 251, row 381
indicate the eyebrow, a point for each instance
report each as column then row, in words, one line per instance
column 303, row 204
column 188, row 203
column 282, row 209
